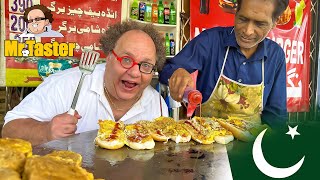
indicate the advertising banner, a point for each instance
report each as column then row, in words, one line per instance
column 76, row 25
column 292, row 33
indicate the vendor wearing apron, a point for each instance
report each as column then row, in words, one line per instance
column 232, row 98
column 241, row 73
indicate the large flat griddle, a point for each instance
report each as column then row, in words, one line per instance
column 166, row 161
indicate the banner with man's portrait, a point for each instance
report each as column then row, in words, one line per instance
column 72, row 27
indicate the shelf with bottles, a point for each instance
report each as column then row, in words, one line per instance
column 161, row 12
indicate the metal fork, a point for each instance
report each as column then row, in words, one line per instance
column 87, row 64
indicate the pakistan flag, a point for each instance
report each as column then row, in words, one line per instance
column 287, row 153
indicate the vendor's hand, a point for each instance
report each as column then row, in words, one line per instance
column 178, row 82
column 63, row 125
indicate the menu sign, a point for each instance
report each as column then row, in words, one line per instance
column 75, row 26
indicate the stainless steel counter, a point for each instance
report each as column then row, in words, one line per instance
column 166, row 161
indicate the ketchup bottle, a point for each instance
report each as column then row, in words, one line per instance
column 192, row 96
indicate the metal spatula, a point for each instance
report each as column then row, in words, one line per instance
column 87, row 64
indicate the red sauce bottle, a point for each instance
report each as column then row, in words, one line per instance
column 192, row 96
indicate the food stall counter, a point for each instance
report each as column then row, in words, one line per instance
column 167, row 160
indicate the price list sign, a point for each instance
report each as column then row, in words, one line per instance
column 80, row 24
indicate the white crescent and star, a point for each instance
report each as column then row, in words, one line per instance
column 268, row 169
column 292, row 131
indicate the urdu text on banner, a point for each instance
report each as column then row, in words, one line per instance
column 81, row 22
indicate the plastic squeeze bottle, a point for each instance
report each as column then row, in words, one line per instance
column 193, row 98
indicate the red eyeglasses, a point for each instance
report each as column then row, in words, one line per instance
column 128, row 62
